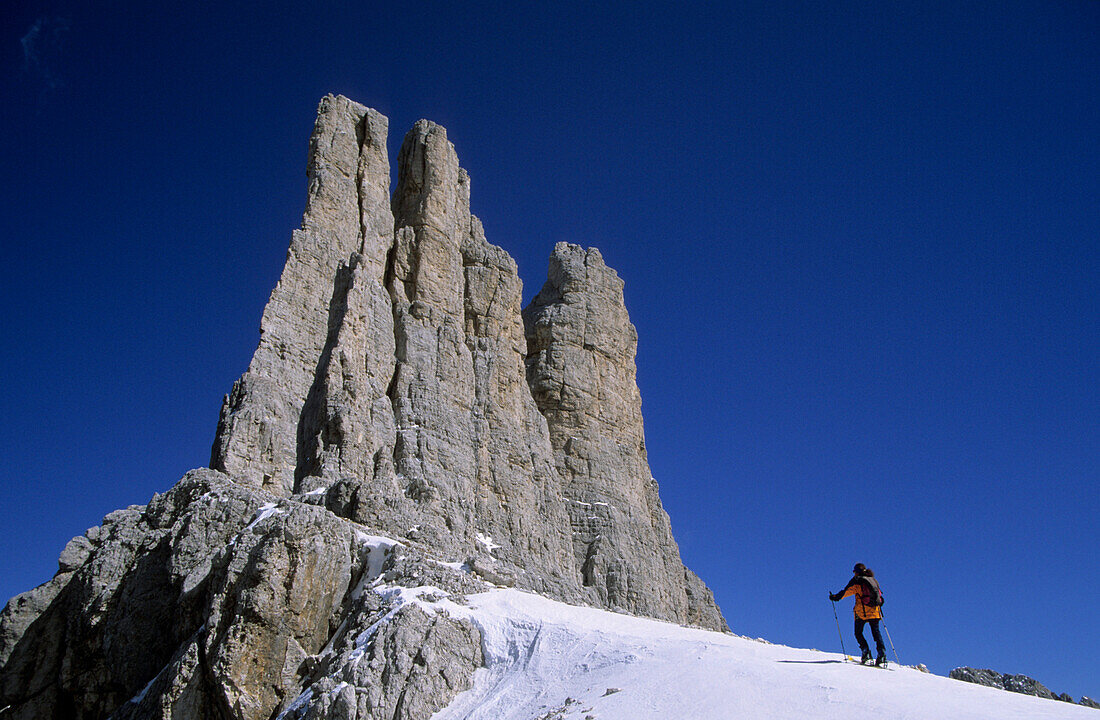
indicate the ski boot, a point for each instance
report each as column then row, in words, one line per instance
column 866, row 657
column 880, row 661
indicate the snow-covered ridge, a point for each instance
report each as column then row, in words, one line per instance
column 545, row 659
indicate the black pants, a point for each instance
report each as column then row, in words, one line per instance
column 874, row 633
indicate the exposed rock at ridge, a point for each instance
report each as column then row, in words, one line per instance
column 1013, row 683
column 217, row 600
column 389, row 396
column 111, row 624
column 581, row 349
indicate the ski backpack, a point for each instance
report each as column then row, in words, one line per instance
column 870, row 593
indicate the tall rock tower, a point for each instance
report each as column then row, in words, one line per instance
column 580, row 365
column 403, row 423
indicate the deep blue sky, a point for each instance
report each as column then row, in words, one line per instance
column 861, row 244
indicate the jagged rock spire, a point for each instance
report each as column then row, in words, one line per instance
column 395, row 391
column 405, row 394
column 347, row 222
column 390, row 376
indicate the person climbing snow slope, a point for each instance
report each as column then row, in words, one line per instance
column 868, row 610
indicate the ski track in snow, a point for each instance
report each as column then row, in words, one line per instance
column 545, row 659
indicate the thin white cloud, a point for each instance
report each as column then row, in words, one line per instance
column 42, row 45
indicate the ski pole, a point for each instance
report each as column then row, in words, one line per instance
column 890, row 639
column 840, row 634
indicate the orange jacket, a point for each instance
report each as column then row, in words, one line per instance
column 861, row 611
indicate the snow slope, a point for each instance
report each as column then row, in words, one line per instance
column 550, row 661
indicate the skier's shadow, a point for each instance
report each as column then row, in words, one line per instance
column 811, row 662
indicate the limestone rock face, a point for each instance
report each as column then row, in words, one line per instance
column 403, row 428
column 581, row 349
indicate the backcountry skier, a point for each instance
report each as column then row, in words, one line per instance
column 868, row 610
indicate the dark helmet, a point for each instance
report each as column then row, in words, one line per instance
column 859, row 569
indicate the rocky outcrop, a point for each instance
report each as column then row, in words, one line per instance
column 1013, row 683
column 404, row 430
column 218, row 600
column 414, row 667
